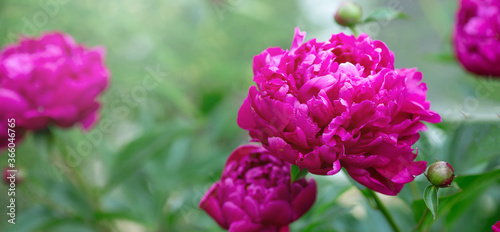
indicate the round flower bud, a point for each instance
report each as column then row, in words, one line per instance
column 440, row 174
column 12, row 175
column 348, row 14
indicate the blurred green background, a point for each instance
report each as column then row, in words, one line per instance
column 180, row 71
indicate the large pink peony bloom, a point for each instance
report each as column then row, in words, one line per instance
column 496, row 227
column 50, row 80
column 477, row 36
column 255, row 193
column 339, row 103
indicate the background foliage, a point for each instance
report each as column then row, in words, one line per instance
column 158, row 147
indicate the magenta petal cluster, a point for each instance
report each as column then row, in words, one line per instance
column 477, row 36
column 496, row 227
column 339, row 103
column 50, row 80
column 254, row 193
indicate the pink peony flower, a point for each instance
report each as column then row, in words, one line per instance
column 496, row 227
column 50, row 80
column 255, row 193
column 477, row 36
column 339, row 103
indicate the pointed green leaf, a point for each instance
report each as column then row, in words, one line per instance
column 431, row 199
column 384, row 14
column 297, row 174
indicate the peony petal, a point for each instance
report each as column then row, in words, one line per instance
column 276, row 213
column 304, row 200
column 252, row 208
column 321, row 109
column 245, row 226
column 314, row 86
column 233, row 213
column 245, row 119
column 496, row 227
column 282, row 150
column 243, row 151
column 373, row 180
column 298, row 38
column 210, row 204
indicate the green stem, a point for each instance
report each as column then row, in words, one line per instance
column 43, row 200
column 74, row 173
column 76, row 178
column 384, row 211
column 354, row 31
column 421, row 221
column 414, row 190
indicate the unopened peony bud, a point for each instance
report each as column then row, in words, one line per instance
column 348, row 14
column 440, row 174
column 12, row 175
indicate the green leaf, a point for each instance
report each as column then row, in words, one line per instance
column 474, row 146
column 73, row 224
column 133, row 156
column 32, row 219
column 431, row 199
column 326, row 207
column 384, row 14
column 178, row 98
column 297, row 174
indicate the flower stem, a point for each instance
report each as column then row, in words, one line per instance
column 74, row 175
column 420, row 223
column 414, row 190
column 384, row 210
column 354, row 31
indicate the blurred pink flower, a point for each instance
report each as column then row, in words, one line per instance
column 255, row 193
column 339, row 103
column 50, row 80
column 496, row 227
column 477, row 36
